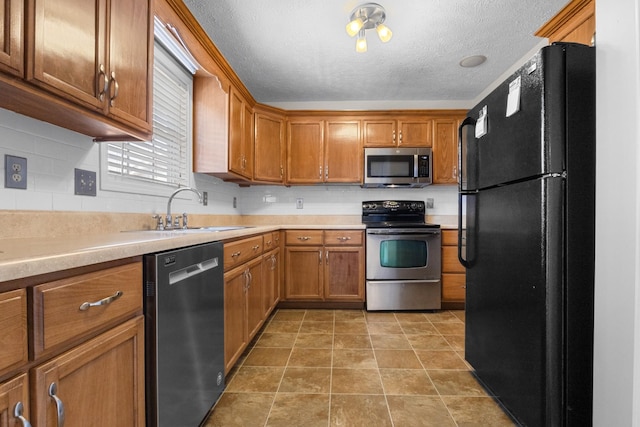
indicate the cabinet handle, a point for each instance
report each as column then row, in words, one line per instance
column 326, row 257
column 320, row 257
column 17, row 413
column 116, row 88
column 269, row 243
column 400, row 138
column 303, row 238
column 281, row 171
column 320, row 173
column 326, row 172
column 108, row 300
column 235, row 254
column 53, row 389
column 255, row 248
column 274, row 262
column 344, row 238
column 105, row 88
column 394, row 136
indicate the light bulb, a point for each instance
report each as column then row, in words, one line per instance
column 384, row 33
column 354, row 26
column 361, row 43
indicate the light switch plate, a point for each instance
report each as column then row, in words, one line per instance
column 85, row 182
column 15, row 175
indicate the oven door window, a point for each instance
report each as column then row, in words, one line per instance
column 403, row 253
column 395, row 166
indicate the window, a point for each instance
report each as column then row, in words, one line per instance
column 153, row 167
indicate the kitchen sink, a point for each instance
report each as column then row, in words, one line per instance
column 205, row 229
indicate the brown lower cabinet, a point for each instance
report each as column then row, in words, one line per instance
column 251, row 291
column 453, row 273
column 324, row 265
column 86, row 362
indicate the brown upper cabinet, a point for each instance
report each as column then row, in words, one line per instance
column 270, row 150
column 99, row 58
column 11, row 37
column 323, row 150
column 240, row 135
column 90, row 72
column 445, row 151
column 576, row 23
column 396, row 132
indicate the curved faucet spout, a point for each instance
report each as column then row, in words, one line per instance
column 169, row 218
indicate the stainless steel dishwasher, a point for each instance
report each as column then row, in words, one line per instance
column 184, row 334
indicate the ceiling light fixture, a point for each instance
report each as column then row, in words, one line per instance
column 365, row 17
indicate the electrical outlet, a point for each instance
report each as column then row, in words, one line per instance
column 299, row 203
column 15, row 175
column 235, row 202
column 85, row 182
column 205, row 198
column 429, row 203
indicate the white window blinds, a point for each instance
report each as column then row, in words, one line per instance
column 164, row 159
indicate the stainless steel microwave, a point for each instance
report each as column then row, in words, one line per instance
column 397, row 167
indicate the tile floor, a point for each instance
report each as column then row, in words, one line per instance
column 354, row 368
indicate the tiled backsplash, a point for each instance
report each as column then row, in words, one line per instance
column 52, row 154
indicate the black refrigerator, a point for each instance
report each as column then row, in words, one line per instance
column 527, row 194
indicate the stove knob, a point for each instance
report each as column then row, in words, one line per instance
column 413, row 206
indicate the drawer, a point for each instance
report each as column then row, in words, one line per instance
column 241, row 251
column 453, row 287
column 449, row 237
column 343, row 237
column 450, row 262
column 303, row 237
column 14, row 348
column 71, row 308
column 271, row 240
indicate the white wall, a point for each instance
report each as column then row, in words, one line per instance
column 52, row 154
column 617, row 294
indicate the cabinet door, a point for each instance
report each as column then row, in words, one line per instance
column 236, row 134
column 130, row 62
column 210, row 125
column 13, row 324
column 304, row 147
column 344, row 273
column 100, row 382
column 270, row 281
column 13, row 392
column 68, row 55
column 235, row 318
column 453, row 287
column 379, row 133
column 415, row 133
column 445, row 152
column 343, row 152
column 11, row 37
column 255, row 301
column 304, row 272
column 269, row 149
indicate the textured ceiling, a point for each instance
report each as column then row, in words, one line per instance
column 299, row 51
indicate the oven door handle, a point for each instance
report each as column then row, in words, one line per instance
column 402, row 232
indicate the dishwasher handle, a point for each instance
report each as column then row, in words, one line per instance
column 193, row 270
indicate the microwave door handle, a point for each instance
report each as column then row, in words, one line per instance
column 415, row 165
column 468, row 121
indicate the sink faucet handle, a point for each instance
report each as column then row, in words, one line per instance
column 176, row 221
column 185, row 220
column 159, row 223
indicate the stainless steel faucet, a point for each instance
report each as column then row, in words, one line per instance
column 169, row 220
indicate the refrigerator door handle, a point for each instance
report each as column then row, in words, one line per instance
column 462, row 257
column 468, row 121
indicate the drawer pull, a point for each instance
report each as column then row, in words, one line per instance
column 235, row 254
column 344, row 239
column 17, row 413
column 108, row 300
column 256, row 247
column 304, row 238
column 53, row 389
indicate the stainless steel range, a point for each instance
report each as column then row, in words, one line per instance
column 403, row 265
